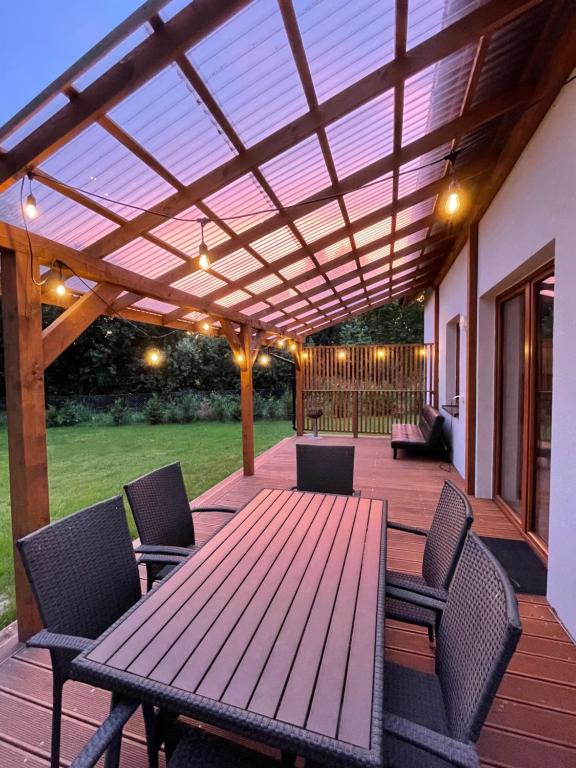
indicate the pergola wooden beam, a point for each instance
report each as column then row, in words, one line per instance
column 188, row 27
column 552, row 79
column 27, row 456
column 46, row 251
column 454, row 37
column 70, row 324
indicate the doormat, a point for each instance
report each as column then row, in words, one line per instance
column 524, row 568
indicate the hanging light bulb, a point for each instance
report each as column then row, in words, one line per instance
column 380, row 354
column 264, row 359
column 293, row 346
column 453, row 199
column 341, row 355
column 203, row 259
column 304, row 355
column 206, row 327
column 30, row 208
column 239, row 357
column 281, row 343
column 60, row 285
column 153, row 357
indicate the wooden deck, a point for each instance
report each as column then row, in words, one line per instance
column 532, row 723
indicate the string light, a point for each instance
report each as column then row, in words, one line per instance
column 341, row 355
column 264, row 359
column 203, row 260
column 304, row 355
column 453, row 201
column 381, row 354
column 30, row 208
column 153, row 357
column 281, row 343
column 239, row 357
column 60, row 286
column 293, row 346
column 206, row 327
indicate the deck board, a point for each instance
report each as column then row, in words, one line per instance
column 532, row 722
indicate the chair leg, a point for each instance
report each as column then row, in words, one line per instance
column 112, row 759
column 431, row 635
column 394, row 452
column 152, row 736
column 57, row 685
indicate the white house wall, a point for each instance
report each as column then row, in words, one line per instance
column 532, row 219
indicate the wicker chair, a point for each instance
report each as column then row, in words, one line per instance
column 163, row 516
column 434, row 720
column 325, row 469
column 444, row 542
column 84, row 576
column 194, row 748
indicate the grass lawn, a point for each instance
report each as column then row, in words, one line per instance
column 90, row 463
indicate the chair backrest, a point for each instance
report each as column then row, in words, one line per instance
column 452, row 519
column 82, row 569
column 325, row 468
column 430, row 425
column 161, row 509
column 478, row 634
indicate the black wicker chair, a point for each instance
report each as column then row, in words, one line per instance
column 325, row 469
column 84, row 576
column 163, row 516
column 444, row 542
column 193, row 747
column 434, row 720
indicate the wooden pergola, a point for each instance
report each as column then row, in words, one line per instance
column 315, row 141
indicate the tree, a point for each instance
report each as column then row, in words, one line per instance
column 393, row 323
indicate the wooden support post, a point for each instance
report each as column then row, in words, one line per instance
column 471, row 359
column 247, row 401
column 24, row 370
column 436, row 346
column 355, row 413
column 299, row 395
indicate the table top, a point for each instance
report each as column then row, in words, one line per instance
column 274, row 629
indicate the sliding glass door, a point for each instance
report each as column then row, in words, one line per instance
column 525, row 318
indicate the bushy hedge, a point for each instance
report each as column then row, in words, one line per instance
column 175, row 409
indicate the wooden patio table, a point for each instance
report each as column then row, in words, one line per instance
column 273, row 630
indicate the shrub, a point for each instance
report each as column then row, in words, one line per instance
column 51, row 416
column 188, row 408
column 71, row 414
column 119, row 413
column 259, row 406
column 205, row 410
column 154, row 410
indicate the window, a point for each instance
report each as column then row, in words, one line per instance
column 453, row 361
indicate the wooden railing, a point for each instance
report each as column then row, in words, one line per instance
column 365, row 389
column 364, row 411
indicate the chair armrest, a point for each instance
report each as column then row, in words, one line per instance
column 166, row 559
column 231, row 510
column 105, row 735
column 162, row 549
column 453, row 751
column 415, row 599
column 407, row 528
column 54, row 641
column 436, row 593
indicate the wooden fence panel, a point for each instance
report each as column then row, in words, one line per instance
column 365, row 389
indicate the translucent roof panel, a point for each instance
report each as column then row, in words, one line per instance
column 248, row 66
column 435, row 95
column 96, row 163
column 200, row 283
column 276, row 244
column 374, row 232
column 144, row 258
column 233, row 298
column 298, row 173
column 153, row 305
column 369, row 198
column 422, row 170
column 124, row 47
column 300, row 267
column 253, row 309
column 345, row 41
column 10, row 140
column 427, row 17
column 236, row 265
column 264, row 284
column 415, row 212
column 185, row 235
column 321, row 222
column 166, row 117
column 313, row 282
column 363, row 136
column 59, row 218
column 376, row 255
column 333, row 251
column 343, row 269
column 243, row 196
